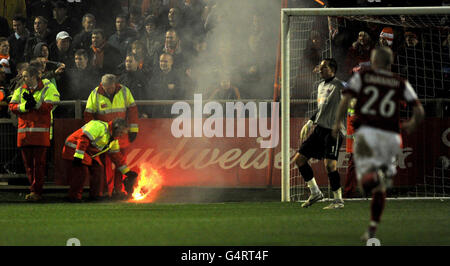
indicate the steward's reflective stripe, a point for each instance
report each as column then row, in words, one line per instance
column 88, row 110
column 87, row 133
column 91, row 138
column 71, row 145
column 114, row 151
column 77, row 155
column 134, row 125
column 113, row 110
column 42, row 97
column 79, row 152
column 33, row 129
column 124, row 91
column 124, row 169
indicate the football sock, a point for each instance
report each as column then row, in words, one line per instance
column 335, row 180
column 306, row 171
column 372, row 229
column 337, row 194
column 377, row 205
column 313, row 186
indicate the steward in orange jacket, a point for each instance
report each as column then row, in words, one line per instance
column 82, row 152
column 350, row 178
column 108, row 101
column 33, row 103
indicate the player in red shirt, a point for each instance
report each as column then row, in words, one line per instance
column 379, row 93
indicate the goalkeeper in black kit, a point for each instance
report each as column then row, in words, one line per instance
column 321, row 144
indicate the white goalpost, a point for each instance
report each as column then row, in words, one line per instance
column 429, row 76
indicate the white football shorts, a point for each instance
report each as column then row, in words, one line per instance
column 374, row 148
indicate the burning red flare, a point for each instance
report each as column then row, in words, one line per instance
column 148, row 185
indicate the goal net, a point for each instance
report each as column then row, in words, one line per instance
column 420, row 39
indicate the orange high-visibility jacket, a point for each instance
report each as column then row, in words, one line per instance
column 93, row 139
column 350, row 130
column 34, row 125
column 100, row 107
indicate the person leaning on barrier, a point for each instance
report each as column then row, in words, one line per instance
column 108, row 101
column 82, row 151
column 33, row 103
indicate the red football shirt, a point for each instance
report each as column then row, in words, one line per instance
column 379, row 93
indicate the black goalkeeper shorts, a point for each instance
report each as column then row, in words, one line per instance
column 320, row 144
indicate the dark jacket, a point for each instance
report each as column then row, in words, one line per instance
column 159, row 90
column 111, row 60
column 82, row 40
column 75, row 84
column 69, row 25
column 136, row 81
column 122, row 42
column 17, row 46
column 67, row 58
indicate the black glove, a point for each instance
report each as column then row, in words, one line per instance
column 132, row 136
column 77, row 162
column 27, row 96
column 31, row 102
column 130, row 181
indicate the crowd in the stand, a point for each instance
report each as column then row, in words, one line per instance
column 152, row 46
column 420, row 54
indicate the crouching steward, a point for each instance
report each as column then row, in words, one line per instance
column 33, row 103
column 82, row 152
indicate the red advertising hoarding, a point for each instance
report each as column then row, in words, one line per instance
column 241, row 162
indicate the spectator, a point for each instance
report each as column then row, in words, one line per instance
column 41, row 50
column 411, row 39
column 17, row 81
column 77, row 82
column 48, row 69
column 124, row 35
column 104, row 57
column 359, row 53
column 41, row 34
column 134, row 78
column 153, row 38
column 83, row 40
column 105, row 12
column 257, row 71
column 136, row 21
column 164, row 85
column 144, row 62
column 81, row 77
column 8, row 65
column 62, row 22
column 175, row 18
column 39, row 8
column 33, row 105
column 172, row 46
column 155, row 8
column 193, row 11
column 386, row 37
column 4, row 27
column 313, row 52
column 18, row 39
column 225, row 90
column 62, row 51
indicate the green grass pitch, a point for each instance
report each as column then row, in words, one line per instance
column 413, row 222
